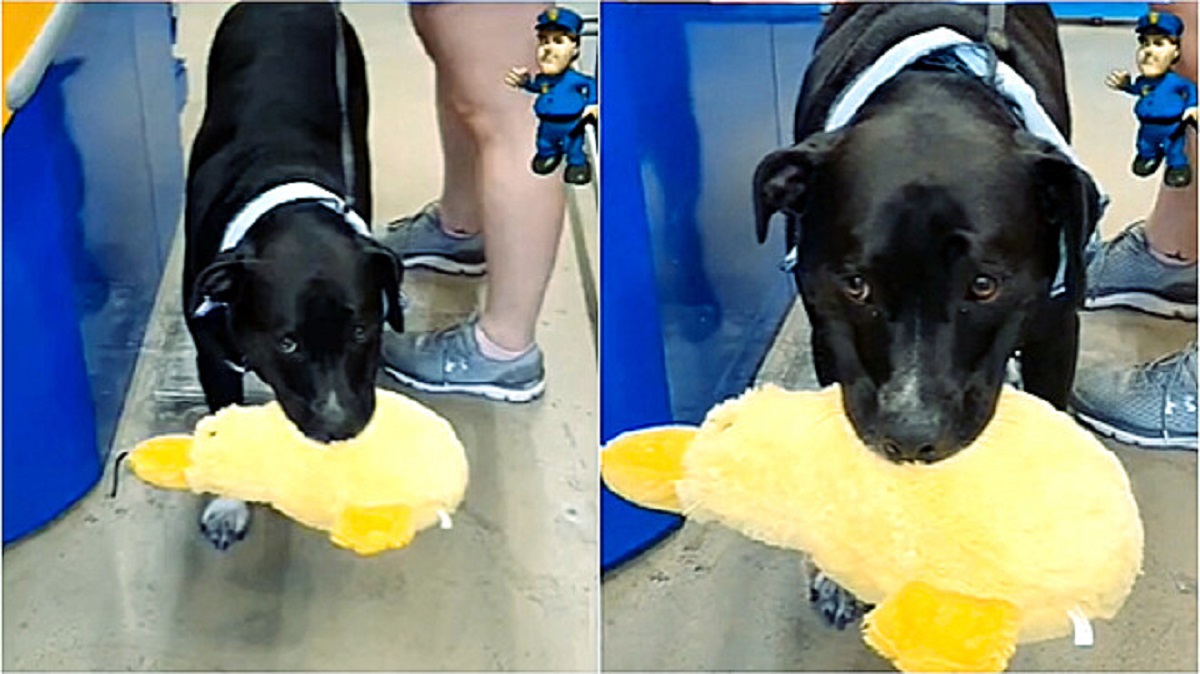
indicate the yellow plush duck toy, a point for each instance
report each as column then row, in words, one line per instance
column 405, row 472
column 1027, row 531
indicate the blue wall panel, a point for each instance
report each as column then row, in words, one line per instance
column 122, row 115
column 93, row 186
column 50, row 456
column 633, row 383
column 693, row 99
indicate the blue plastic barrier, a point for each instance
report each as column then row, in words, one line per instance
column 93, row 185
column 633, row 384
column 689, row 301
column 50, row 456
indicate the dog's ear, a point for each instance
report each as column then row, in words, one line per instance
column 219, row 282
column 388, row 272
column 782, row 177
column 1069, row 199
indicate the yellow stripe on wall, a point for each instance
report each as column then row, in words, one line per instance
column 23, row 23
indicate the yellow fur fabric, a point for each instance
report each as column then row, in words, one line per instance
column 924, row 629
column 1035, row 512
column 372, row 491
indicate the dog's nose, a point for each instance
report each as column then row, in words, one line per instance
column 327, row 431
column 916, row 440
column 333, row 421
column 907, row 453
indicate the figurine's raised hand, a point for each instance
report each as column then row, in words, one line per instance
column 591, row 112
column 1190, row 114
column 1118, row 79
column 517, row 77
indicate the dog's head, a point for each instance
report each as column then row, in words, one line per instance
column 922, row 263
column 307, row 314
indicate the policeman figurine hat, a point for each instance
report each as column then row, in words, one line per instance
column 561, row 18
column 1160, row 22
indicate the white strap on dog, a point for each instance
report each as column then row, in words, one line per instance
column 288, row 193
column 975, row 57
column 273, row 198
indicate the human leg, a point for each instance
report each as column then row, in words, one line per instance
column 521, row 214
column 473, row 45
column 446, row 235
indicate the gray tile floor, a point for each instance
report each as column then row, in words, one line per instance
column 729, row 603
column 126, row 583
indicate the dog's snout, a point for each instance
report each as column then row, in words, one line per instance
column 916, row 439
column 330, row 408
column 333, row 421
column 902, row 452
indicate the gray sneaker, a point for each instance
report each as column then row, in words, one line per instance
column 1151, row 405
column 449, row 361
column 420, row 242
column 1123, row 273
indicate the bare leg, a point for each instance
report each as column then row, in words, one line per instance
column 459, row 204
column 1171, row 225
column 489, row 145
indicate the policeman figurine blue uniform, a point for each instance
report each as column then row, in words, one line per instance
column 1166, row 100
column 566, row 98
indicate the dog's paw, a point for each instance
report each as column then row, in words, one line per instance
column 225, row 522
column 835, row 604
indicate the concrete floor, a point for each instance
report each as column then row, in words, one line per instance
column 710, row 599
column 127, row 583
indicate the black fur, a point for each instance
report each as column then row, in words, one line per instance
column 301, row 277
column 930, row 186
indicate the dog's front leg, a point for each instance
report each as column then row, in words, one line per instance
column 224, row 521
column 1050, row 351
column 836, row 605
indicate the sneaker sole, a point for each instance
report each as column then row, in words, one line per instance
column 489, row 391
column 1129, row 438
column 445, row 266
column 1150, row 304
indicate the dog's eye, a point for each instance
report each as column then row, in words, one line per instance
column 287, row 345
column 857, row 288
column 359, row 334
column 984, row 288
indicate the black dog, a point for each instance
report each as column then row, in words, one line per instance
column 300, row 299
column 936, row 235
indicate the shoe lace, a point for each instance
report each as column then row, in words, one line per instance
column 1131, row 236
column 444, row 333
column 431, row 207
column 1172, row 367
column 456, row 340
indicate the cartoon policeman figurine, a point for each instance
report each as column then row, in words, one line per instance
column 566, row 98
column 1166, row 100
